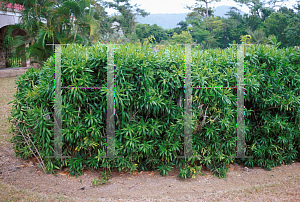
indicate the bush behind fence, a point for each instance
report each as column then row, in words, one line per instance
column 149, row 104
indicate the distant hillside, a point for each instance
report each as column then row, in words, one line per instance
column 166, row 21
column 170, row 20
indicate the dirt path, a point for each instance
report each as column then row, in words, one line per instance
column 12, row 72
column 147, row 185
column 23, row 180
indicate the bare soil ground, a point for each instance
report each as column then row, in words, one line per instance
column 12, row 72
column 22, row 180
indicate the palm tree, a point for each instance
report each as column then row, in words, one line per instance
column 257, row 37
column 62, row 22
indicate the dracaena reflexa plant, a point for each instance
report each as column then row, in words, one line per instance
column 149, row 116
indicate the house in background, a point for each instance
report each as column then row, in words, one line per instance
column 7, row 19
column 117, row 33
column 117, row 29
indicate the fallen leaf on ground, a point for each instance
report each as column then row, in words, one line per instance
column 63, row 173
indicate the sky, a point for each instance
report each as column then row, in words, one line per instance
column 177, row 6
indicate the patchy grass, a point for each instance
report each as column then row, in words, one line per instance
column 286, row 190
column 7, row 91
column 10, row 193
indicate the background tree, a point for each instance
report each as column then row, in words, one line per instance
column 144, row 31
column 257, row 7
column 182, row 38
column 183, row 25
column 291, row 32
column 56, row 22
column 235, row 26
column 275, row 24
column 128, row 15
column 220, row 32
column 266, row 12
column 64, row 22
column 297, row 6
column 205, row 27
column 198, row 8
column 215, row 26
column 257, row 37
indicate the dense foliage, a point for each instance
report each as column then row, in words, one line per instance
column 67, row 21
column 213, row 31
column 86, row 22
column 149, row 92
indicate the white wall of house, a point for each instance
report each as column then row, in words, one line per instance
column 9, row 18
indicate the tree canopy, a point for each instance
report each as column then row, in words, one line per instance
column 86, row 22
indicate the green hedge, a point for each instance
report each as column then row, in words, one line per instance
column 149, row 118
